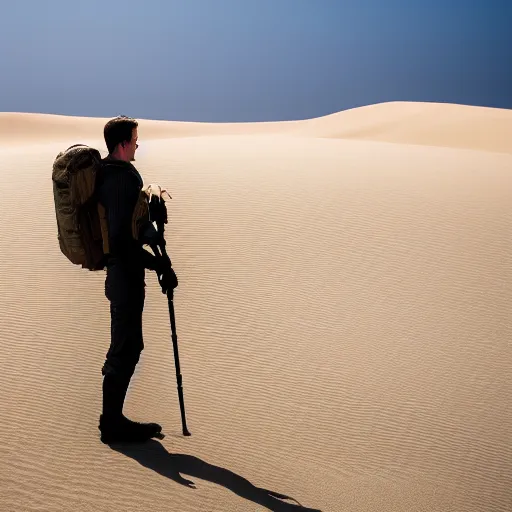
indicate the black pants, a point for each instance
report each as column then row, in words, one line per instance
column 126, row 294
column 126, row 340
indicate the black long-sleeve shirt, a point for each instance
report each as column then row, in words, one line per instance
column 119, row 187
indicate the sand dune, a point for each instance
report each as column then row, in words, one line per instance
column 343, row 317
column 433, row 124
column 21, row 128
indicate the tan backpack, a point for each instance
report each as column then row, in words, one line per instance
column 78, row 222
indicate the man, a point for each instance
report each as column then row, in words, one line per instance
column 119, row 186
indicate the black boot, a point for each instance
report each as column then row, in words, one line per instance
column 114, row 426
column 122, row 430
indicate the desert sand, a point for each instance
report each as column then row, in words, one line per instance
column 344, row 318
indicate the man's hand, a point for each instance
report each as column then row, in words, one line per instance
column 167, row 279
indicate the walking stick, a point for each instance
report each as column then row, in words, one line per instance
column 158, row 247
column 177, row 362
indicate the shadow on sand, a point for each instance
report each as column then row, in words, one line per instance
column 153, row 455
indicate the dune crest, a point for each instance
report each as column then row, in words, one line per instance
column 432, row 124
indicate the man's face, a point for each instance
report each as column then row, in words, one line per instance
column 132, row 146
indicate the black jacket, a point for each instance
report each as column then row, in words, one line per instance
column 119, row 186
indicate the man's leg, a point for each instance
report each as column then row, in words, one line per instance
column 123, row 354
column 121, row 360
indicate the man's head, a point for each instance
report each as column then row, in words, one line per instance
column 121, row 138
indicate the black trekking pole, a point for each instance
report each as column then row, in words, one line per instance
column 174, row 337
column 158, row 247
column 170, row 299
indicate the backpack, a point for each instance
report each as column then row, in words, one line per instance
column 79, row 227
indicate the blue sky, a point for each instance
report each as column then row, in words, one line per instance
column 245, row 60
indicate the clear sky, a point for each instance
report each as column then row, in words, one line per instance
column 250, row 60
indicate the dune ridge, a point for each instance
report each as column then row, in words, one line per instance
column 343, row 318
column 419, row 123
column 432, row 124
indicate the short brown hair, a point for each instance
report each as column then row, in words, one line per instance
column 118, row 130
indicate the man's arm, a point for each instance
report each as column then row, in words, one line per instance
column 122, row 194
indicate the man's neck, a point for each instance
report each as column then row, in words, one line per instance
column 116, row 156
